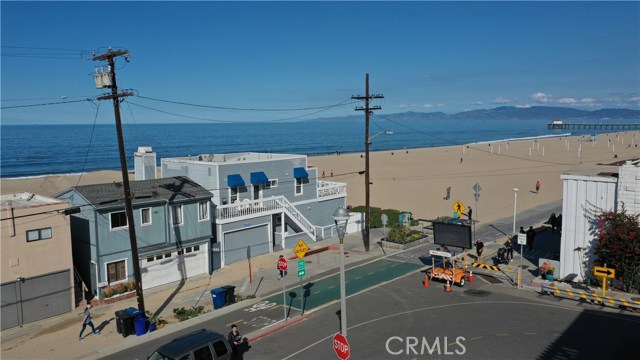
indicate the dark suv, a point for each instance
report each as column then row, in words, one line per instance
column 198, row 345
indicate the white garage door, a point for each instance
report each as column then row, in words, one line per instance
column 169, row 267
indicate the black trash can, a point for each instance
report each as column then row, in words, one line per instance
column 231, row 295
column 124, row 321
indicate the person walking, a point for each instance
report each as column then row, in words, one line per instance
column 448, row 193
column 479, row 248
column 537, row 186
column 236, row 341
column 470, row 213
column 509, row 254
column 531, row 236
column 280, row 272
column 86, row 320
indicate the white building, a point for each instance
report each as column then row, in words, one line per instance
column 583, row 198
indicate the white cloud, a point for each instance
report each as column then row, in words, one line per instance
column 541, row 97
column 501, row 100
column 403, row 106
column 567, row 101
column 526, row 106
column 427, row 106
column 478, row 103
column 588, row 101
column 440, row 105
column 634, row 98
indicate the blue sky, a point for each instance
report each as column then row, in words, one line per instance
column 423, row 56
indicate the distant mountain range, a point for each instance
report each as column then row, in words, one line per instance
column 515, row 113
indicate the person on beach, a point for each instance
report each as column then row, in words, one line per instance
column 86, row 320
column 537, row 186
column 448, row 193
column 531, row 236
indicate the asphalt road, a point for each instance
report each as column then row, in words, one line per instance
column 403, row 320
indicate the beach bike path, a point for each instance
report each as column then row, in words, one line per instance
column 326, row 290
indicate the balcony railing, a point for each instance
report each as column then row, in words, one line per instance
column 330, row 188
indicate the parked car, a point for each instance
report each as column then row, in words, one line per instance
column 202, row 344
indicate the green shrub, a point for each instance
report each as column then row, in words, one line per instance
column 403, row 235
column 392, row 214
column 183, row 314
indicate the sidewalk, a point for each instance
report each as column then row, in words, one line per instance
column 57, row 337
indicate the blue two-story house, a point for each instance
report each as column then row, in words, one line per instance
column 262, row 202
column 173, row 224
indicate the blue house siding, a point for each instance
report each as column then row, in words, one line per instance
column 95, row 241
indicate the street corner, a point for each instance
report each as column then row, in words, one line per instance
column 277, row 327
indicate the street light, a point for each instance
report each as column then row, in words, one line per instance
column 367, row 185
column 341, row 217
column 515, row 201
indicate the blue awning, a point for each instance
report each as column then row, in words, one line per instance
column 300, row 173
column 259, row 178
column 234, row 180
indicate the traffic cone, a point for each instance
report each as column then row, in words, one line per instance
column 447, row 288
column 426, row 281
column 471, row 275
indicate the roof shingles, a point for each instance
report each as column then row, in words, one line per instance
column 173, row 189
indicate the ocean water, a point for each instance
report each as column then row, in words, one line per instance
column 28, row 151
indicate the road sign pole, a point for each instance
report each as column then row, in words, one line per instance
column 520, row 267
column 284, row 300
column 301, row 296
column 604, row 286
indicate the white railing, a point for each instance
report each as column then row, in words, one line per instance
column 330, row 188
column 246, row 208
column 293, row 212
column 264, row 206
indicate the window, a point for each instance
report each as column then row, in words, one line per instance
column 196, row 248
column 272, row 183
column 116, row 271
column 299, row 186
column 118, row 220
column 203, row 210
column 203, row 353
column 39, row 234
column 145, row 215
column 219, row 348
column 233, row 194
column 176, row 215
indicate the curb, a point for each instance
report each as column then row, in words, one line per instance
column 589, row 295
column 280, row 327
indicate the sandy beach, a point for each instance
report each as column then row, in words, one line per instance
column 416, row 180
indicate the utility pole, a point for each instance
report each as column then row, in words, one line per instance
column 367, row 143
column 108, row 80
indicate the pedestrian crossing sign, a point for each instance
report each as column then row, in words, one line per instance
column 458, row 207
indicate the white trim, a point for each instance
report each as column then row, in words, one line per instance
column 111, row 228
column 126, row 271
column 208, row 206
column 142, row 217
column 295, row 187
column 173, row 207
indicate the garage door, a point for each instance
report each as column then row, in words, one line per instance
column 36, row 298
column 168, row 267
column 236, row 242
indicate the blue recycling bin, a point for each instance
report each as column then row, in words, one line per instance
column 140, row 324
column 219, row 297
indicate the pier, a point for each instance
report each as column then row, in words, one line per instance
column 563, row 126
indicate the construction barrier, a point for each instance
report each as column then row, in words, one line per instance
column 485, row 266
column 592, row 296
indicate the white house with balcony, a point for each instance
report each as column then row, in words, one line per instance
column 262, row 202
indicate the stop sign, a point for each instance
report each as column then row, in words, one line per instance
column 282, row 264
column 341, row 346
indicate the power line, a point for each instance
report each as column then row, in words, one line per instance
column 44, row 104
column 344, row 102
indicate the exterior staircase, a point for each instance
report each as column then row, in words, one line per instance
column 273, row 205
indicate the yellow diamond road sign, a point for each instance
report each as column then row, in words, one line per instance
column 458, row 207
column 301, row 249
